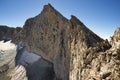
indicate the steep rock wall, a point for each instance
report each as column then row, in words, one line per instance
column 57, row 40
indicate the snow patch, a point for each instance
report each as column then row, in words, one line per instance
column 7, row 45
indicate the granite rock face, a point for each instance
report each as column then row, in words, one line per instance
column 43, row 30
column 59, row 40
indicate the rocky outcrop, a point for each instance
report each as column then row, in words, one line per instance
column 115, row 39
column 59, row 40
column 44, row 29
column 116, row 36
column 81, row 39
column 8, row 33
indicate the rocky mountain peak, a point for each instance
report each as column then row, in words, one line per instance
column 48, row 7
column 115, row 39
column 85, row 34
column 50, row 11
column 75, row 20
column 70, row 50
column 57, row 39
column 116, row 36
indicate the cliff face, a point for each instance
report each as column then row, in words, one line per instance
column 43, row 30
column 81, row 39
column 59, row 40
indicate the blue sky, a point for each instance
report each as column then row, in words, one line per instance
column 101, row 16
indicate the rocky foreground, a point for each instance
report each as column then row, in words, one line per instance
column 51, row 47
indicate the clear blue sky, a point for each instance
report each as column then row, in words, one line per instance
column 101, row 16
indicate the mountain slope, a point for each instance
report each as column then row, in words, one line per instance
column 56, row 39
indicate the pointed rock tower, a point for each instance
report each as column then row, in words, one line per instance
column 59, row 40
column 115, row 39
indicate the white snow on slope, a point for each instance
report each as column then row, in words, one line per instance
column 7, row 52
column 7, row 45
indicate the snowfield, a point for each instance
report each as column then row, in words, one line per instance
column 7, row 52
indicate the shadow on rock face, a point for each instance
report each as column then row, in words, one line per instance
column 40, row 70
column 36, row 67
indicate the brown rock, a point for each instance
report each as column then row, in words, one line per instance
column 7, row 33
column 59, row 40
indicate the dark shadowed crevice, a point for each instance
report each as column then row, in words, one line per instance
column 36, row 67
